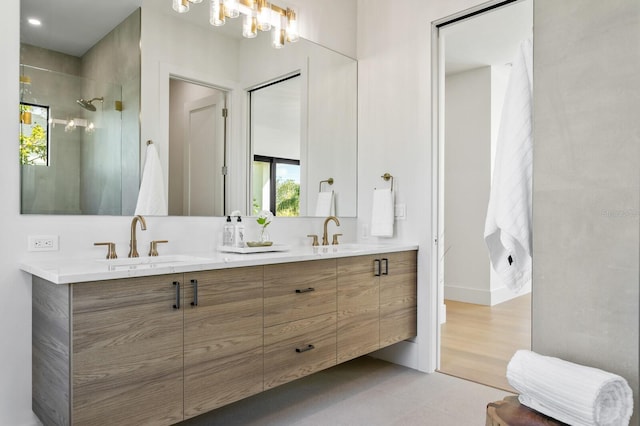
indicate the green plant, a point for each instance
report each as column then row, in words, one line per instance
column 287, row 198
column 33, row 147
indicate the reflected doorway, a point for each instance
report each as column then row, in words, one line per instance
column 482, row 322
column 197, row 149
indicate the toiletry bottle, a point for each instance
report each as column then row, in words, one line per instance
column 227, row 232
column 238, row 239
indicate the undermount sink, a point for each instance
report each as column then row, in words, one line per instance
column 150, row 262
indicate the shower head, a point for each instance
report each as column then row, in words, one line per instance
column 88, row 105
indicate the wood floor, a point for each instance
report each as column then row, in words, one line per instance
column 478, row 341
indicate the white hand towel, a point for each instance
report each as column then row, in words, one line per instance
column 382, row 213
column 507, row 229
column 151, row 198
column 324, row 205
column 572, row 393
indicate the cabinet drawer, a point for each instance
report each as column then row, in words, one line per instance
column 299, row 348
column 294, row 291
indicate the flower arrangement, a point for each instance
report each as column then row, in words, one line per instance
column 264, row 219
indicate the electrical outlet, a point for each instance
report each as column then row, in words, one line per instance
column 42, row 243
column 401, row 211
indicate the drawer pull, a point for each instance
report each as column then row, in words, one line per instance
column 376, row 267
column 305, row 290
column 195, row 292
column 177, row 304
column 305, row 349
column 386, row 266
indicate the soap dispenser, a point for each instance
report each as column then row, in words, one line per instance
column 228, row 232
column 238, row 235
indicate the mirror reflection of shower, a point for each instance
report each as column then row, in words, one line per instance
column 88, row 105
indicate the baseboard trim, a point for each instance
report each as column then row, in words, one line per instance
column 482, row 297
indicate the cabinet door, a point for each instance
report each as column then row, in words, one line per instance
column 223, row 354
column 398, row 297
column 358, row 307
column 294, row 291
column 127, row 352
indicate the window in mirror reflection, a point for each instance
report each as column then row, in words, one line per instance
column 34, row 134
column 275, row 141
column 276, row 186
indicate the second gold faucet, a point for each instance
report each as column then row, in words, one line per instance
column 133, row 244
column 325, row 238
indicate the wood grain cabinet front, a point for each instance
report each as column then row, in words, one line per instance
column 377, row 302
column 126, row 351
column 223, row 338
column 300, row 319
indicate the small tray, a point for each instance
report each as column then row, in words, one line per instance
column 261, row 249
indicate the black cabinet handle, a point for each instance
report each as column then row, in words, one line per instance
column 376, row 267
column 177, row 304
column 386, row 266
column 305, row 349
column 305, row 290
column 195, row 292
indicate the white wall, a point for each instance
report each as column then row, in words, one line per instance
column 394, row 135
column 467, row 182
column 77, row 233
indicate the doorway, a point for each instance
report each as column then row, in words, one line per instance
column 482, row 323
column 197, row 149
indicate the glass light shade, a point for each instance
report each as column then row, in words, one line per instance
column 264, row 15
column 292, row 26
column 278, row 38
column 195, row 1
column 232, row 8
column 216, row 13
column 250, row 26
column 181, row 6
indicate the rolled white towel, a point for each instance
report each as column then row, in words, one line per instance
column 572, row 393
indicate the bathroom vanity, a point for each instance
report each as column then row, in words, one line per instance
column 118, row 344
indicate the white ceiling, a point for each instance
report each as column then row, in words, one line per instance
column 73, row 26
column 487, row 39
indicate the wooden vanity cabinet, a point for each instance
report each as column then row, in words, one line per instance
column 107, row 352
column 398, row 297
column 300, row 320
column 223, row 337
column 358, row 330
column 377, row 302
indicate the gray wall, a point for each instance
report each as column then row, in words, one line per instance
column 587, row 184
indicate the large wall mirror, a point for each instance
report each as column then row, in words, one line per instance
column 180, row 54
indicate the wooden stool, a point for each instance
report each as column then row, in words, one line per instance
column 509, row 412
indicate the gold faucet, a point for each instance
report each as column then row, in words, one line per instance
column 325, row 239
column 133, row 244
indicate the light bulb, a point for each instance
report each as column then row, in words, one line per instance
column 250, row 26
column 195, row 1
column 181, row 6
column 292, row 26
column 232, row 8
column 278, row 38
column 216, row 13
column 264, row 15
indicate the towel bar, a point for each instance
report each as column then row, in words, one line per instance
column 386, row 177
column 329, row 181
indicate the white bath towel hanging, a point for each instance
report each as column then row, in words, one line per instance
column 382, row 213
column 151, row 197
column 509, row 216
column 325, row 204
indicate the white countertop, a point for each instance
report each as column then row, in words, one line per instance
column 82, row 270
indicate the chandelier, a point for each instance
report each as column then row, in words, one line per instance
column 257, row 15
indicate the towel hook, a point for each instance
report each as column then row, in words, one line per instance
column 329, row 181
column 386, row 177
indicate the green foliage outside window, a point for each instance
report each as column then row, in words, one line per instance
column 33, row 139
column 287, row 198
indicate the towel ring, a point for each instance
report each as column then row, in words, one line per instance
column 329, row 181
column 388, row 177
